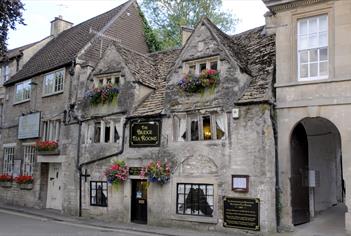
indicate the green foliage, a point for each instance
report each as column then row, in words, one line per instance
column 10, row 14
column 167, row 17
column 151, row 40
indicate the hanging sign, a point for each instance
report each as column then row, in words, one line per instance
column 242, row 213
column 135, row 171
column 145, row 133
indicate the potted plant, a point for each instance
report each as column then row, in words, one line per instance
column 101, row 95
column 156, row 172
column 6, row 181
column 208, row 79
column 25, row 182
column 47, row 147
column 117, row 173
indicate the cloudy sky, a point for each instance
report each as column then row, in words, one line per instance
column 39, row 13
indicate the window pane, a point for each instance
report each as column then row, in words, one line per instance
column 312, row 41
column 313, row 25
column 304, row 56
column 202, row 66
column 323, row 68
column 206, row 122
column 323, row 54
column 303, row 27
column 303, row 70
column 313, row 69
column 192, row 69
column 180, row 188
column 303, row 42
column 313, row 55
column 214, row 65
column 323, row 39
column 194, row 130
column 323, row 23
column 107, row 134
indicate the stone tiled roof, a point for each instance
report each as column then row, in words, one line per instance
column 12, row 53
column 65, row 47
column 154, row 103
column 260, row 49
column 141, row 66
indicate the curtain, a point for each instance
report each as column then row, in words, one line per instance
column 182, row 129
column 220, row 121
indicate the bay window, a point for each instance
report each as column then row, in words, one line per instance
column 312, row 48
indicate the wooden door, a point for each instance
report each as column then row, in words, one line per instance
column 54, row 198
column 299, row 177
column 139, row 201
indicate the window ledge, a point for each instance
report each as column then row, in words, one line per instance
column 52, row 94
column 201, row 219
column 300, row 83
column 20, row 102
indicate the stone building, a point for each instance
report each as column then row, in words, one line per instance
column 313, row 107
column 209, row 138
column 40, row 102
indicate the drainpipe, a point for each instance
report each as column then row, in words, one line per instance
column 80, row 166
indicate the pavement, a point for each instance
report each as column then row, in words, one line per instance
column 329, row 223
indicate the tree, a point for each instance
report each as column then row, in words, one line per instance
column 167, row 16
column 10, row 14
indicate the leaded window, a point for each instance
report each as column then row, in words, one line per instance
column 98, row 193
column 195, row 199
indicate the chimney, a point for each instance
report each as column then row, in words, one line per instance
column 186, row 32
column 58, row 25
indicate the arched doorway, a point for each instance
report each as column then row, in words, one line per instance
column 316, row 169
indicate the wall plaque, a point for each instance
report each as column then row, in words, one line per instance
column 242, row 213
column 240, row 183
column 29, row 126
column 145, row 133
column 135, row 171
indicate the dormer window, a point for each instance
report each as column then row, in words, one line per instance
column 197, row 66
column 107, row 79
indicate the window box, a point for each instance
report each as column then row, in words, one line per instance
column 28, row 186
column 102, row 95
column 49, row 153
column 6, row 184
column 191, row 83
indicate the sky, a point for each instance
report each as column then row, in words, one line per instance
column 39, row 13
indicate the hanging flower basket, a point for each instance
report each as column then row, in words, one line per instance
column 6, row 181
column 208, row 79
column 117, row 173
column 156, row 172
column 103, row 95
column 25, row 182
column 47, row 147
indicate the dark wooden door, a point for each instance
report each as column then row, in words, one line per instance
column 139, row 201
column 299, row 176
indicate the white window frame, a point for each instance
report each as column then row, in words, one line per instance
column 179, row 120
column 29, row 152
column 51, row 130
column 115, row 125
column 57, row 85
column 197, row 63
column 308, row 49
column 8, row 159
column 24, row 96
column 115, row 79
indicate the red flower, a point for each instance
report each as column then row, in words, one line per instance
column 5, row 178
column 46, row 145
column 24, row 179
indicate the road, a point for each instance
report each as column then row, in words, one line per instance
column 18, row 224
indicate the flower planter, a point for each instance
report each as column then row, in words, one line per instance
column 49, row 153
column 6, row 184
column 26, row 186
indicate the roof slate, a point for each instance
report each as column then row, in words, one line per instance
column 15, row 52
column 154, row 103
column 260, row 49
column 63, row 49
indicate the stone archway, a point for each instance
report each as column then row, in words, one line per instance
column 316, row 180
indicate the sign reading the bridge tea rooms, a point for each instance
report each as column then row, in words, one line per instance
column 145, row 133
column 29, row 126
